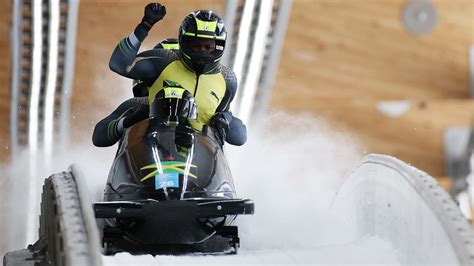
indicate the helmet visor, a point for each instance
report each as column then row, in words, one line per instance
column 197, row 44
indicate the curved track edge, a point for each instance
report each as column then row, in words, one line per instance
column 68, row 232
column 374, row 188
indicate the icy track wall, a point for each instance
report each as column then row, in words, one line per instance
column 387, row 198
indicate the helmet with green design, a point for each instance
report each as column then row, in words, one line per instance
column 168, row 44
column 174, row 105
column 202, row 38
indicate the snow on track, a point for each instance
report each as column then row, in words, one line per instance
column 364, row 252
column 292, row 170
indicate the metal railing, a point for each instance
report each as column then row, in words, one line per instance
column 42, row 44
column 42, row 57
column 256, row 34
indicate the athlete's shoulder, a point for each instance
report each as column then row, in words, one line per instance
column 161, row 54
column 227, row 73
column 139, row 100
column 229, row 77
column 165, row 53
column 133, row 102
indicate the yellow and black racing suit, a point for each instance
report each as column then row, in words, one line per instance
column 213, row 92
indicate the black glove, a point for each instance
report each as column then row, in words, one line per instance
column 220, row 122
column 154, row 12
column 141, row 113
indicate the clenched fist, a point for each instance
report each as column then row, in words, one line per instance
column 154, row 12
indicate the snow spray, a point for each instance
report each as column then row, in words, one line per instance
column 292, row 168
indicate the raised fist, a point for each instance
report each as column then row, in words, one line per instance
column 154, row 12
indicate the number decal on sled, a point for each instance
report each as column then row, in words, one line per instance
column 167, row 180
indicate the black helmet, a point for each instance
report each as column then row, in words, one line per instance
column 199, row 26
column 168, row 43
column 174, row 105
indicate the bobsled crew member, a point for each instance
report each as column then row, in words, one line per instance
column 141, row 87
column 168, row 43
column 194, row 66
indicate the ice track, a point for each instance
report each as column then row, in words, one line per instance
column 397, row 214
column 384, row 212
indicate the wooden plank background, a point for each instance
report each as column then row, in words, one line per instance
column 5, row 22
column 340, row 59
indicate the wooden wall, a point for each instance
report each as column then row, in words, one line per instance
column 5, row 7
column 5, row 22
column 342, row 57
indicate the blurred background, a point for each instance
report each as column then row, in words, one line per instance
column 396, row 74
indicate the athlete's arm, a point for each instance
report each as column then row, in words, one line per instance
column 124, row 59
column 110, row 129
column 125, row 62
column 237, row 134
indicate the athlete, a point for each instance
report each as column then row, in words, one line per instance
column 194, row 66
column 141, row 87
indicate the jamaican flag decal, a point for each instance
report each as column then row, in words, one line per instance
column 168, row 167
